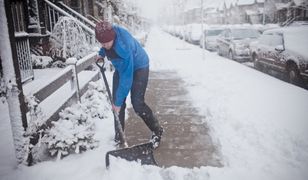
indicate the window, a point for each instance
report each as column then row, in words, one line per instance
column 265, row 39
column 276, row 40
column 245, row 33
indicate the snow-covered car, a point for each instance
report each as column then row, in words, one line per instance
column 210, row 38
column 194, row 33
column 234, row 42
column 284, row 50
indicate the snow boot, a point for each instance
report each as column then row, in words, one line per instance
column 117, row 139
column 156, row 137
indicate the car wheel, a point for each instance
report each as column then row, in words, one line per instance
column 294, row 76
column 230, row 55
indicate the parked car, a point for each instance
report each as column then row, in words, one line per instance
column 234, row 42
column 284, row 50
column 210, row 38
column 194, row 33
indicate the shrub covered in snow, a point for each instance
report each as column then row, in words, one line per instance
column 35, row 116
column 40, row 62
column 74, row 131
column 68, row 39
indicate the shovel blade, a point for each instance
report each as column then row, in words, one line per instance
column 141, row 152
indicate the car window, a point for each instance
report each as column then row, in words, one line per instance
column 227, row 34
column 297, row 41
column 213, row 32
column 245, row 33
column 276, row 40
column 265, row 39
column 222, row 34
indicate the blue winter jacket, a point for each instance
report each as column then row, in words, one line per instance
column 131, row 57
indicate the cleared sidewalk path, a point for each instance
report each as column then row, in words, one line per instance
column 186, row 141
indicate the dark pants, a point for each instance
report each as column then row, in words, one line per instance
column 137, row 91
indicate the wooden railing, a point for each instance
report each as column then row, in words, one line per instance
column 67, row 75
column 67, row 80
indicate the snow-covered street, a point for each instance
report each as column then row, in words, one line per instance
column 258, row 121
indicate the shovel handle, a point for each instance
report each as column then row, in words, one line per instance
column 116, row 116
column 102, row 68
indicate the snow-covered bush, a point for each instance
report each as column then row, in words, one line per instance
column 40, row 62
column 74, row 131
column 58, row 64
column 68, row 40
column 94, row 101
column 35, row 116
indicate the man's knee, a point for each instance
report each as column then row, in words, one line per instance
column 138, row 106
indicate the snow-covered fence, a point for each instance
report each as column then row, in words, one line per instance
column 68, row 75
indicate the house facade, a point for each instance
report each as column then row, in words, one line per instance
column 250, row 11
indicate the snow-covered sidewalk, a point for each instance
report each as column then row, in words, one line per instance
column 259, row 122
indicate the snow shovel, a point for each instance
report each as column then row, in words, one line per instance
column 141, row 152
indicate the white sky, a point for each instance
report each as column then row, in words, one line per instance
column 151, row 8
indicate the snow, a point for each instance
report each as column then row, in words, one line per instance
column 21, row 34
column 245, row 2
column 7, row 154
column 259, row 122
column 71, row 61
column 11, row 89
column 300, row 2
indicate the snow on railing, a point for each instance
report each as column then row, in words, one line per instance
column 60, row 79
column 54, row 12
column 78, row 16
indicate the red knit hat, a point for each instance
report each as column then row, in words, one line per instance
column 104, row 32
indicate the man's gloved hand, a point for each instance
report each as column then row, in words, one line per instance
column 116, row 109
column 99, row 59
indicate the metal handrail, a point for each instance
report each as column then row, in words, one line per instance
column 78, row 16
column 62, row 12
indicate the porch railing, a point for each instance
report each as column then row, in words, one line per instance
column 22, row 41
column 75, row 14
column 54, row 12
column 24, row 57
